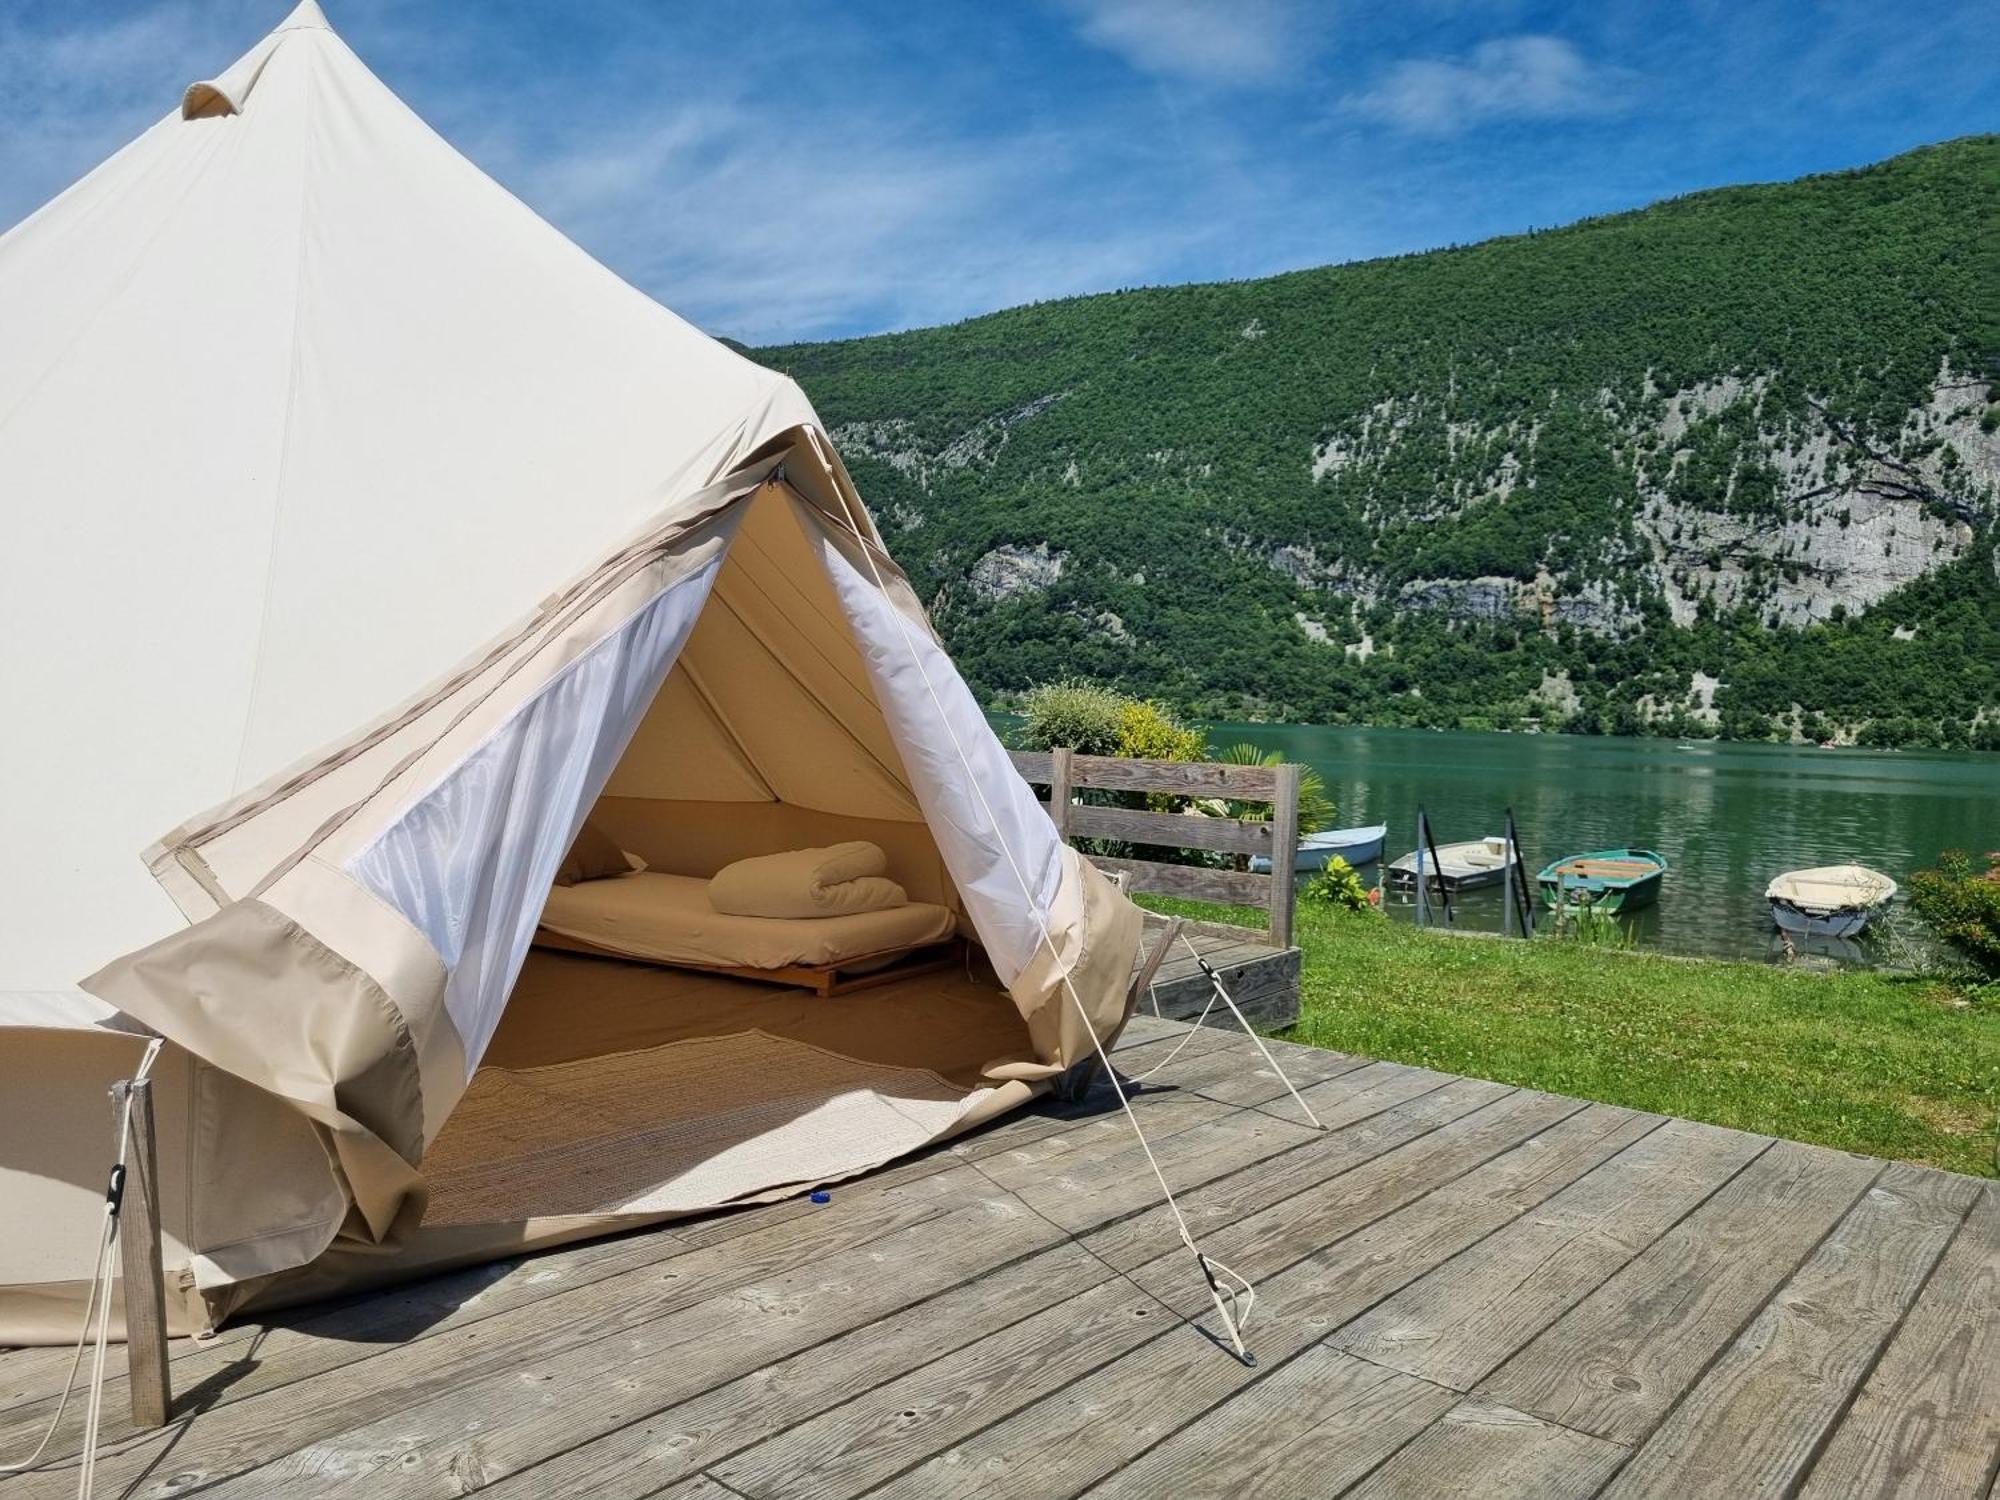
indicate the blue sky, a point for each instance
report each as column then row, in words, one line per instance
column 807, row 168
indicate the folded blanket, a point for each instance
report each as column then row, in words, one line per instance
column 828, row 882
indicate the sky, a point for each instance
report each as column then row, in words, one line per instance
column 803, row 169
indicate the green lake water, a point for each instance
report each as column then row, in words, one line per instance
column 1727, row 816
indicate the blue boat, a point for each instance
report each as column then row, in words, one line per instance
column 1358, row 846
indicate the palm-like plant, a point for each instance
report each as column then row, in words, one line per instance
column 1316, row 808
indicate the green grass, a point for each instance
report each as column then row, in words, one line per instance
column 1890, row 1065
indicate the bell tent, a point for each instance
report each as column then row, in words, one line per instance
column 350, row 501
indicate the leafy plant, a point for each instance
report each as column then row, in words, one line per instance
column 1962, row 905
column 1151, row 731
column 1592, row 926
column 1094, row 720
column 1316, row 806
column 1080, row 716
column 1338, row 885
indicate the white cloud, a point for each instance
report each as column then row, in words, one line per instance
column 764, row 231
column 1204, row 41
column 1509, row 78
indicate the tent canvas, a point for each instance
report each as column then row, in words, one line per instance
column 372, row 515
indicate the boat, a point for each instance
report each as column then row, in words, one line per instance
column 1358, row 846
column 1608, row 880
column 1830, row 901
column 1457, row 867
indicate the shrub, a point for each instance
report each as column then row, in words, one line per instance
column 1151, row 731
column 1080, row 715
column 1962, row 905
column 1093, row 720
column 1338, row 885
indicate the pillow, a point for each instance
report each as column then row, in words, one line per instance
column 828, row 882
column 595, row 856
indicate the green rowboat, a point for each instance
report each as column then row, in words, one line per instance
column 1609, row 880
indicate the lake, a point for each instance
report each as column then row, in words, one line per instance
column 1727, row 816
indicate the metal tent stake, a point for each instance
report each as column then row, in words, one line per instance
column 138, row 1212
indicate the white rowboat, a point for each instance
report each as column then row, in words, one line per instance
column 1831, row 901
column 1458, row 867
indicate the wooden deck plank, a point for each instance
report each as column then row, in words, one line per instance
column 393, row 1375
column 471, row 1432
column 1297, row 1226
column 1926, row 1426
column 1257, row 1085
column 1399, row 1107
column 852, row 1448
column 1067, row 1441
column 336, row 1333
column 1477, row 1451
column 1617, row 1361
column 698, row 1432
column 943, row 1402
column 343, row 1441
column 1188, row 1158
column 1265, row 988
column 1458, row 1324
column 1753, row 1423
column 701, row 1487
column 1313, row 1427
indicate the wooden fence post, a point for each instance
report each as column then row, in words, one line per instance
column 1061, row 774
column 1284, row 851
column 139, row 1257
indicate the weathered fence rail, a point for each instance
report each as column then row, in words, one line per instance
column 1063, row 773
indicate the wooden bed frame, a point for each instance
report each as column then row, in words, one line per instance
column 824, row 980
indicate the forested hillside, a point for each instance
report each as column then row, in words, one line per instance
column 1726, row 465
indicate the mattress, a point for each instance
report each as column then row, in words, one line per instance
column 667, row 918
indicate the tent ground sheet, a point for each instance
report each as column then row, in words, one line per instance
column 685, row 1126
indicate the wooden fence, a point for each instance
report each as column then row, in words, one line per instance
column 1064, row 772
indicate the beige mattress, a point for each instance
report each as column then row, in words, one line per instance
column 667, row 918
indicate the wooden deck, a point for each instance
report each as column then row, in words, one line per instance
column 1464, row 1289
column 1263, row 981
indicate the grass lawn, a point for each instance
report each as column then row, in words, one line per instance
column 1885, row 1064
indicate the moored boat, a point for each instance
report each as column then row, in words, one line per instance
column 1457, row 867
column 1358, row 846
column 1830, row 900
column 1608, row 880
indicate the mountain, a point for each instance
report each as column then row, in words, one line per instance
column 1727, row 464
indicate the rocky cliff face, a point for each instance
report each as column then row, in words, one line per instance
column 1809, row 520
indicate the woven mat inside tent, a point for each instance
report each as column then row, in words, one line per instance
column 685, row 1126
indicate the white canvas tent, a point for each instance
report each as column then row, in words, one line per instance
column 350, row 501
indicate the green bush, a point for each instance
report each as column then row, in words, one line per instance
column 1077, row 715
column 1962, row 905
column 1338, row 885
column 1093, row 720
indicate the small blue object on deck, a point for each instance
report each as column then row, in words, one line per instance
column 822, row 1197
